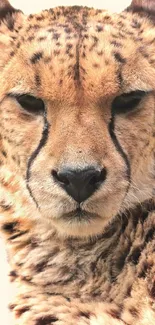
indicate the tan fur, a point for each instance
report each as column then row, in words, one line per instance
column 64, row 270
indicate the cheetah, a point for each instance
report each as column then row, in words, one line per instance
column 77, row 148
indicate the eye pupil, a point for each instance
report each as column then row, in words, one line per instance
column 127, row 102
column 31, row 104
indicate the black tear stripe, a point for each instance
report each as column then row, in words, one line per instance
column 77, row 65
column 119, row 148
column 35, row 153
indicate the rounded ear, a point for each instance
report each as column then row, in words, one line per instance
column 143, row 7
column 5, row 9
column 8, row 13
column 10, row 19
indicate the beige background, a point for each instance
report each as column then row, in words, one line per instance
column 37, row 5
column 28, row 7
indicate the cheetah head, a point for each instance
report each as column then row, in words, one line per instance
column 77, row 111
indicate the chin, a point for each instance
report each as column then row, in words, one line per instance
column 80, row 223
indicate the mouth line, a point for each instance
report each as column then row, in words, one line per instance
column 80, row 215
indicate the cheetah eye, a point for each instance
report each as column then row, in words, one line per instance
column 127, row 102
column 31, row 104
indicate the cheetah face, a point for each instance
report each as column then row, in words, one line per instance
column 77, row 114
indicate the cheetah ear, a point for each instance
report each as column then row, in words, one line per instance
column 10, row 20
column 5, row 9
column 8, row 14
column 143, row 8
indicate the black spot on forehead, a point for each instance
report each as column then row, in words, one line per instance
column 121, row 24
column 56, row 36
column 35, row 26
column 41, row 38
column 99, row 28
column 114, row 36
column 128, row 32
column 36, row 57
column 47, row 59
column 50, row 30
column 14, row 37
column 69, row 45
column 30, row 38
column 100, row 53
column 135, row 23
column 4, row 153
column 116, row 43
column 18, row 45
column 68, row 30
column 119, row 57
column 68, row 48
column 120, row 77
column 133, row 311
column 12, row 53
column 37, row 80
column 122, row 35
column 31, row 16
column 56, row 52
column 39, row 18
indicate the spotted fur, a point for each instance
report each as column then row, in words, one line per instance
column 96, row 266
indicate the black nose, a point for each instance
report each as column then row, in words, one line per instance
column 80, row 184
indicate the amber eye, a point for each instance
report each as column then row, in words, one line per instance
column 31, row 104
column 127, row 102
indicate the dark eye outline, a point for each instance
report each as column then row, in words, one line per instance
column 127, row 102
column 30, row 104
